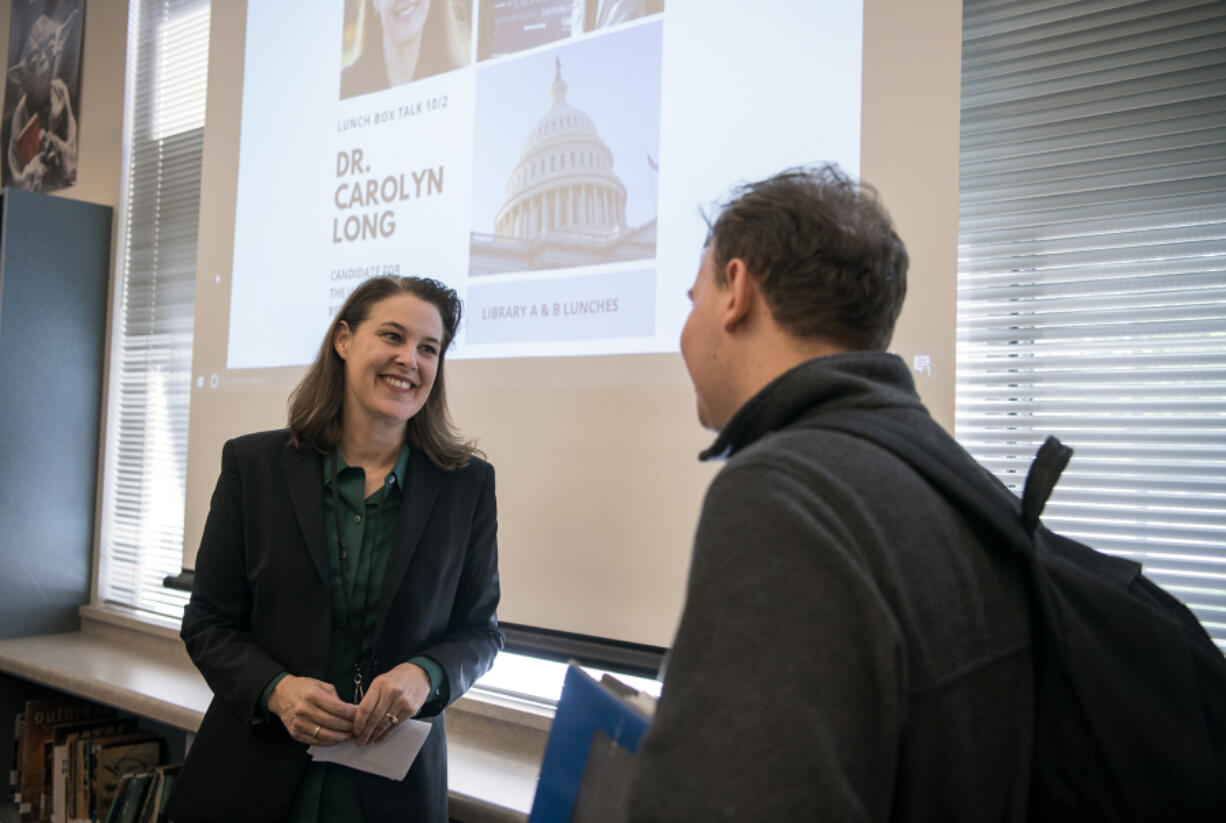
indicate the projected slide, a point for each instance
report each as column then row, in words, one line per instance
column 546, row 158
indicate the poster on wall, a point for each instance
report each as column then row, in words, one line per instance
column 42, row 94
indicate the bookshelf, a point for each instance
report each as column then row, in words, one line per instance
column 495, row 744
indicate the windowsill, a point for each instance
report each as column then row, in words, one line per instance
column 107, row 618
column 495, row 743
column 131, row 619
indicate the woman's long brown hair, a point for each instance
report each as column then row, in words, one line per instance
column 315, row 405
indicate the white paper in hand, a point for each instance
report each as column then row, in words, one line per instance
column 391, row 758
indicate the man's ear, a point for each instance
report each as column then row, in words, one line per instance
column 340, row 339
column 741, row 293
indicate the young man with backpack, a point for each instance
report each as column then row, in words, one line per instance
column 854, row 646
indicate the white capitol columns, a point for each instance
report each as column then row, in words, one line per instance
column 563, row 207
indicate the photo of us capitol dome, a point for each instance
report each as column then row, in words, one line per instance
column 565, row 206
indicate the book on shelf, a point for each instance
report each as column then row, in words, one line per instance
column 19, row 723
column 147, row 799
column 125, row 789
column 113, row 757
column 130, row 797
column 142, row 796
column 80, row 780
column 63, row 774
column 44, row 791
column 156, row 813
column 41, row 716
column 168, row 784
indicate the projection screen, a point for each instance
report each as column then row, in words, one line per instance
column 550, row 164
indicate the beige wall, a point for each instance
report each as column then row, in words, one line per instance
column 909, row 151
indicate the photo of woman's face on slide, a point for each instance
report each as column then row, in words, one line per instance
column 402, row 20
column 388, row 43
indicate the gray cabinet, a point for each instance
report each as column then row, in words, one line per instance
column 54, row 264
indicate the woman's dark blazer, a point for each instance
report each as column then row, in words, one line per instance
column 260, row 606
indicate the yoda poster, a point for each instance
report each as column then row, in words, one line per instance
column 42, row 94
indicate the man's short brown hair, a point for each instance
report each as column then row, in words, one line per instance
column 823, row 251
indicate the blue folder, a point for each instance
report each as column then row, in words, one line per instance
column 589, row 757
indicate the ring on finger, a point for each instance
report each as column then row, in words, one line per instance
column 391, row 718
column 316, row 732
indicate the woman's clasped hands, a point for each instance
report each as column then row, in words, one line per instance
column 314, row 714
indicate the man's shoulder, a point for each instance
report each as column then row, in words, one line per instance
column 804, row 460
column 789, row 470
column 803, row 445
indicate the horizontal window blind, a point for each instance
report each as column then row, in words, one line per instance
column 151, row 346
column 1092, row 272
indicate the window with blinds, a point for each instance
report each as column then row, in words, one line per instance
column 151, row 330
column 1092, row 271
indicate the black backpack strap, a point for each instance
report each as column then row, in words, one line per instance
column 1046, row 469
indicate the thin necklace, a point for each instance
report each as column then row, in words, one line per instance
column 353, row 627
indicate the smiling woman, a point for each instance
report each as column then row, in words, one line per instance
column 390, row 363
column 347, row 577
column 316, row 411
